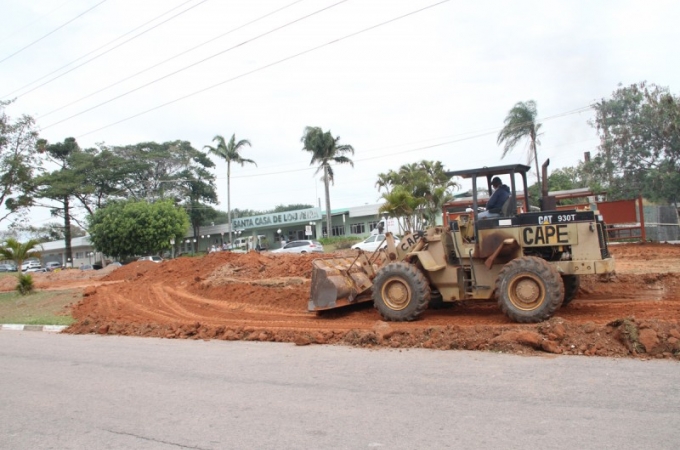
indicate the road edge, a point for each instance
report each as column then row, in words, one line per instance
column 21, row 327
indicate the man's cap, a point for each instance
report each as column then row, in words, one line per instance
column 496, row 181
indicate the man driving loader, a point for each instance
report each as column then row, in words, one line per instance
column 500, row 195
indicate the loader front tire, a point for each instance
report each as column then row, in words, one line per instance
column 400, row 292
column 529, row 290
column 571, row 286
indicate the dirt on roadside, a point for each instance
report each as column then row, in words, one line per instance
column 263, row 297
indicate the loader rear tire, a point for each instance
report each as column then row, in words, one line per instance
column 529, row 290
column 400, row 292
column 571, row 286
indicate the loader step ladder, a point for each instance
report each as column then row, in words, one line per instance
column 471, row 283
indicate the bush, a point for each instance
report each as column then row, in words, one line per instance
column 340, row 242
column 25, row 284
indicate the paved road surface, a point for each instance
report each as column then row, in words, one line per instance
column 94, row 392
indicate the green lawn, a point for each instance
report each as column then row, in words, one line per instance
column 39, row 308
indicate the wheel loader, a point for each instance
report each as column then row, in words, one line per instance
column 529, row 259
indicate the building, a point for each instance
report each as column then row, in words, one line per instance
column 81, row 249
column 276, row 227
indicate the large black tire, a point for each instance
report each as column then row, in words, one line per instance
column 529, row 290
column 437, row 302
column 571, row 286
column 400, row 292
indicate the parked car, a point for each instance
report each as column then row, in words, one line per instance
column 373, row 242
column 8, row 268
column 52, row 265
column 303, row 246
column 36, row 269
column 156, row 259
column 88, row 267
column 31, row 264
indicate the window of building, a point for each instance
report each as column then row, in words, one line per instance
column 338, row 230
column 79, row 255
column 357, row 228
column 373, row 225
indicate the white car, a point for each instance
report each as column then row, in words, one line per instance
column 30, row 265
column 303, row 246
column 373, row 242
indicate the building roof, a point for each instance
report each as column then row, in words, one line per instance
column 83, row 241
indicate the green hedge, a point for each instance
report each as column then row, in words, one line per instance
column 340, row 242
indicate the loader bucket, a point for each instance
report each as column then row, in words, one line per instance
column 339, row 282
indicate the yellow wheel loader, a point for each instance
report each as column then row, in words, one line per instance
column 529, row 261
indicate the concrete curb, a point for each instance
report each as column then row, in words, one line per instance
column 19, row 327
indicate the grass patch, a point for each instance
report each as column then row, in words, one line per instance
column 39, row 308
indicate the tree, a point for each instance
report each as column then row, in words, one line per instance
column 416, row 193
column 157, row 171
column 18, row 162
column 291, row 207
column 563, row 179
column 229, row 151
column 639, row 130
column 401, row 203
column 326, row 149
column 53, row 231
column 520, row 123
column 19, row 252
column 62, row 184
column 103, row 174
column 199, row 188
column 137, row 227
column 175, row 169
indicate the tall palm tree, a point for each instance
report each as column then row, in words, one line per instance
column 520, row 123
column 18, row 252
column 229, row 151
column 325, row 150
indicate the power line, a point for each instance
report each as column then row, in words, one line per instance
column 348, row 36
column 51, row 32
column 425, row 147
column 23, row 27
column 196, row 63
column 107, row 51
column 467, row 136
column 169, row 59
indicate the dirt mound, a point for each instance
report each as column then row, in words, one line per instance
column 264, row 297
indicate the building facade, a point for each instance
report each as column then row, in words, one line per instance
column 276, row 228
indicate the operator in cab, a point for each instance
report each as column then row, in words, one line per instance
column 500, row 194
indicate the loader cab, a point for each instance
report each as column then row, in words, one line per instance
column 513, row 176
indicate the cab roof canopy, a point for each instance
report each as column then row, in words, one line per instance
column 489, row 172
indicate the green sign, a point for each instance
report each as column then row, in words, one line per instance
column 277, row 219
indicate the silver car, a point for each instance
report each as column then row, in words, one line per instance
column 156, row 259
column 303, row 246
column 52, row 265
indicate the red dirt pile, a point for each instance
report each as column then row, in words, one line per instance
column 263, row 297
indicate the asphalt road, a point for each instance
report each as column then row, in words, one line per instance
column 96, row 392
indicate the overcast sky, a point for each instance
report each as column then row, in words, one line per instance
column 399, row 80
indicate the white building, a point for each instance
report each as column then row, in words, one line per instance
column 289, row 226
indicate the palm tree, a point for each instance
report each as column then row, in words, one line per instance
column 325, row 150
column 18, row 252
column 519, row 124
column 422, row 187
column 230, row 153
